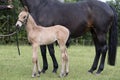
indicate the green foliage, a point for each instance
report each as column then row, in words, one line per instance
column 8, row 19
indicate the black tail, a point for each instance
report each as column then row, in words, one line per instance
column 113, row 40
column 68, row 42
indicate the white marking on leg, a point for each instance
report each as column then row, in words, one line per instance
column 34, row 59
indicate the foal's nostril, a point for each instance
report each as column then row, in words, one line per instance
column 17, row 25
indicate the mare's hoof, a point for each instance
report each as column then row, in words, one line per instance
column 39, row 72
column 90, row 71
column 54, row 71
column 97, row 73
column 43, row 71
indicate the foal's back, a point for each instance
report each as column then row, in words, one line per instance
column 49, row 35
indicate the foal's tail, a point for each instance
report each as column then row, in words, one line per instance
column 113, row 40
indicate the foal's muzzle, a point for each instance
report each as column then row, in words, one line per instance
column 19, row 24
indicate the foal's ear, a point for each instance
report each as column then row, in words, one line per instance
column 26, row 8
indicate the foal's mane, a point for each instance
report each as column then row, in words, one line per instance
column 37, row 27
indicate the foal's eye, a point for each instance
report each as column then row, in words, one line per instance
column 24, row 17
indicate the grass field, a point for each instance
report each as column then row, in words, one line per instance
column 15, row 67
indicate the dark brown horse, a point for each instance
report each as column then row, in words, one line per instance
column 89, row 15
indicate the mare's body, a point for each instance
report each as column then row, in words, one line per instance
column 90, row 15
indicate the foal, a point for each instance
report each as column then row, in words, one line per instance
column 39, row 35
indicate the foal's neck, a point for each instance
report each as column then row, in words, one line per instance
column 31, row 24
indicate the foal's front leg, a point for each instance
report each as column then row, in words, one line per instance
column 35, row 61
column 38, row 68
column 65, row 63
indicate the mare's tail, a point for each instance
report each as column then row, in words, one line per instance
column 68, row 42
column 113, row 40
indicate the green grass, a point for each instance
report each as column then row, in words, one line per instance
column 15, row 67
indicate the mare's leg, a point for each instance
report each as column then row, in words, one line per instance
column 101, row 49
column 104, row 47
column 34, row 59
column 98, row 51
column 52, row 54
column 43, row 53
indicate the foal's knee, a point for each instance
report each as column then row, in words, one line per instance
column 34, row 59
column 64, row 57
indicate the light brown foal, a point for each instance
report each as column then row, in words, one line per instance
column 39, row 35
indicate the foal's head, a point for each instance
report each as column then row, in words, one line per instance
column 22, row 18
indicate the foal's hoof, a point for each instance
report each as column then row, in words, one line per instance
column 63, row 75
column 66, row 74
column 33, row 75
column 39, row 72
column 38, row 75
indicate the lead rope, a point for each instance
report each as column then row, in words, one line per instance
column 7, row 35
column 17, row 41
column 17, row 30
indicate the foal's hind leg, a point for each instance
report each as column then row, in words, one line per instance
column 65, row 63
